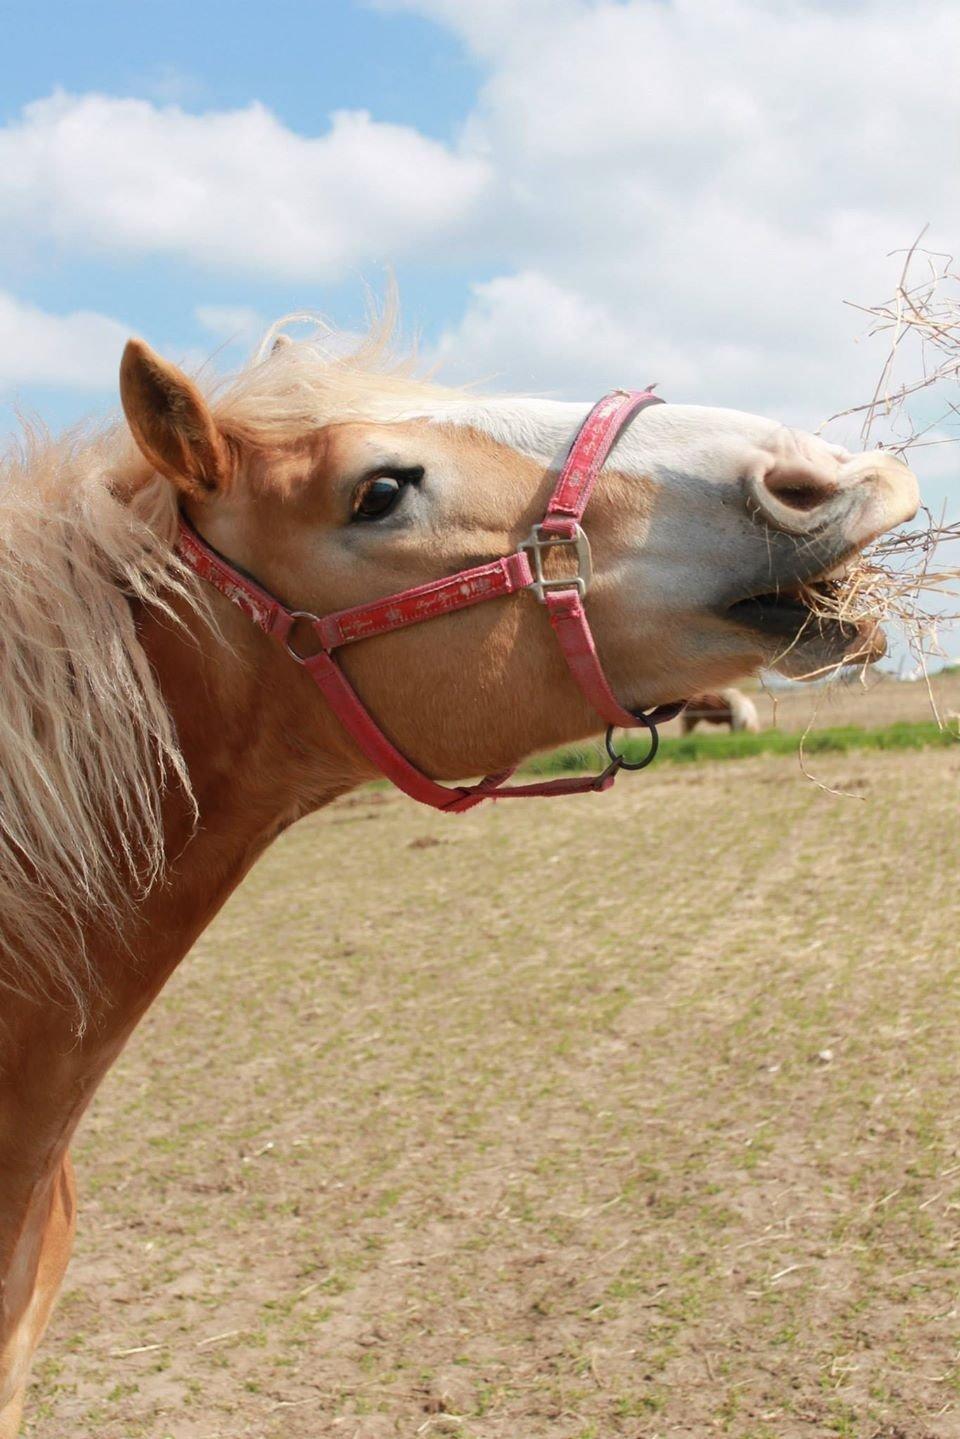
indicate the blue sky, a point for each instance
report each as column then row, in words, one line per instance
column 302, row 61
column 573, row 194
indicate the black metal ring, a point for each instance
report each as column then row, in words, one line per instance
column 648, row 758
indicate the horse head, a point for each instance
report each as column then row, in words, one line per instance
column 333, row 487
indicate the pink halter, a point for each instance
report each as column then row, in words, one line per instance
column 523, row 570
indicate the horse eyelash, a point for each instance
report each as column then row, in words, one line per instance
column 406, row 474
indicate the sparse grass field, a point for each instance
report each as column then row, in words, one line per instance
column 623, row 1116
column 702, row 745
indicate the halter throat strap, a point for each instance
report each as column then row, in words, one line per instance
column 523, row 570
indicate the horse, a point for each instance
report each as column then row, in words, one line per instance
column 155, row 736
column 728, row 706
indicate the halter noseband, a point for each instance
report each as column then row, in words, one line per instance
column 563, row 598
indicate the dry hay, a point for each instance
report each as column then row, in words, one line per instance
column 908, row 579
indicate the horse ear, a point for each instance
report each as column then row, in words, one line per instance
column 172, row 424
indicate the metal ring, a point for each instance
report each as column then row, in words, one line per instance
column 314, row 621
column 651, row 754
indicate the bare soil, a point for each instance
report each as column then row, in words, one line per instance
column 633, row 1115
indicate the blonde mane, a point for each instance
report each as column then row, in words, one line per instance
column 86, row 743
column 87, row 747
column 294, row 385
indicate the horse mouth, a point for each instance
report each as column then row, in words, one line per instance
column 819, row 604
column 803, row 621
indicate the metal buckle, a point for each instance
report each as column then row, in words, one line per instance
column 537, row 542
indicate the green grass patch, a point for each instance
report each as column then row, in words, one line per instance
column 690, row 749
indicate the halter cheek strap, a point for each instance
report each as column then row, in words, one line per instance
column 523, row 570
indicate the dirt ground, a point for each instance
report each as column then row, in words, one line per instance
column 631, row 1115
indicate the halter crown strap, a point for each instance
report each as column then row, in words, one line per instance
column 561, row 525
column 589, row 453
column 522, row 570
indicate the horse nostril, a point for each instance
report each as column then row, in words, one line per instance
column 798, row 487
column 792, row 494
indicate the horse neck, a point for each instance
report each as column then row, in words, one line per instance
column 249, row 782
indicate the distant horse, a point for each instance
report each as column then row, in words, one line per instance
column 171, row 598
column 728, row 706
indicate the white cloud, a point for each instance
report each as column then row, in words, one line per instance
column 541, row 323
column 77, row 351
column 683, row 191
column 492, row 25
column 702, row 185
column 528, row 332
column 230, row 189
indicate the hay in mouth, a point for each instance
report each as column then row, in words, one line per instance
column 811, row 620
column 910, row 579
column 894, row 582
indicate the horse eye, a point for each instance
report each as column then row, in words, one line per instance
column 377, row 498
column 378, row 495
